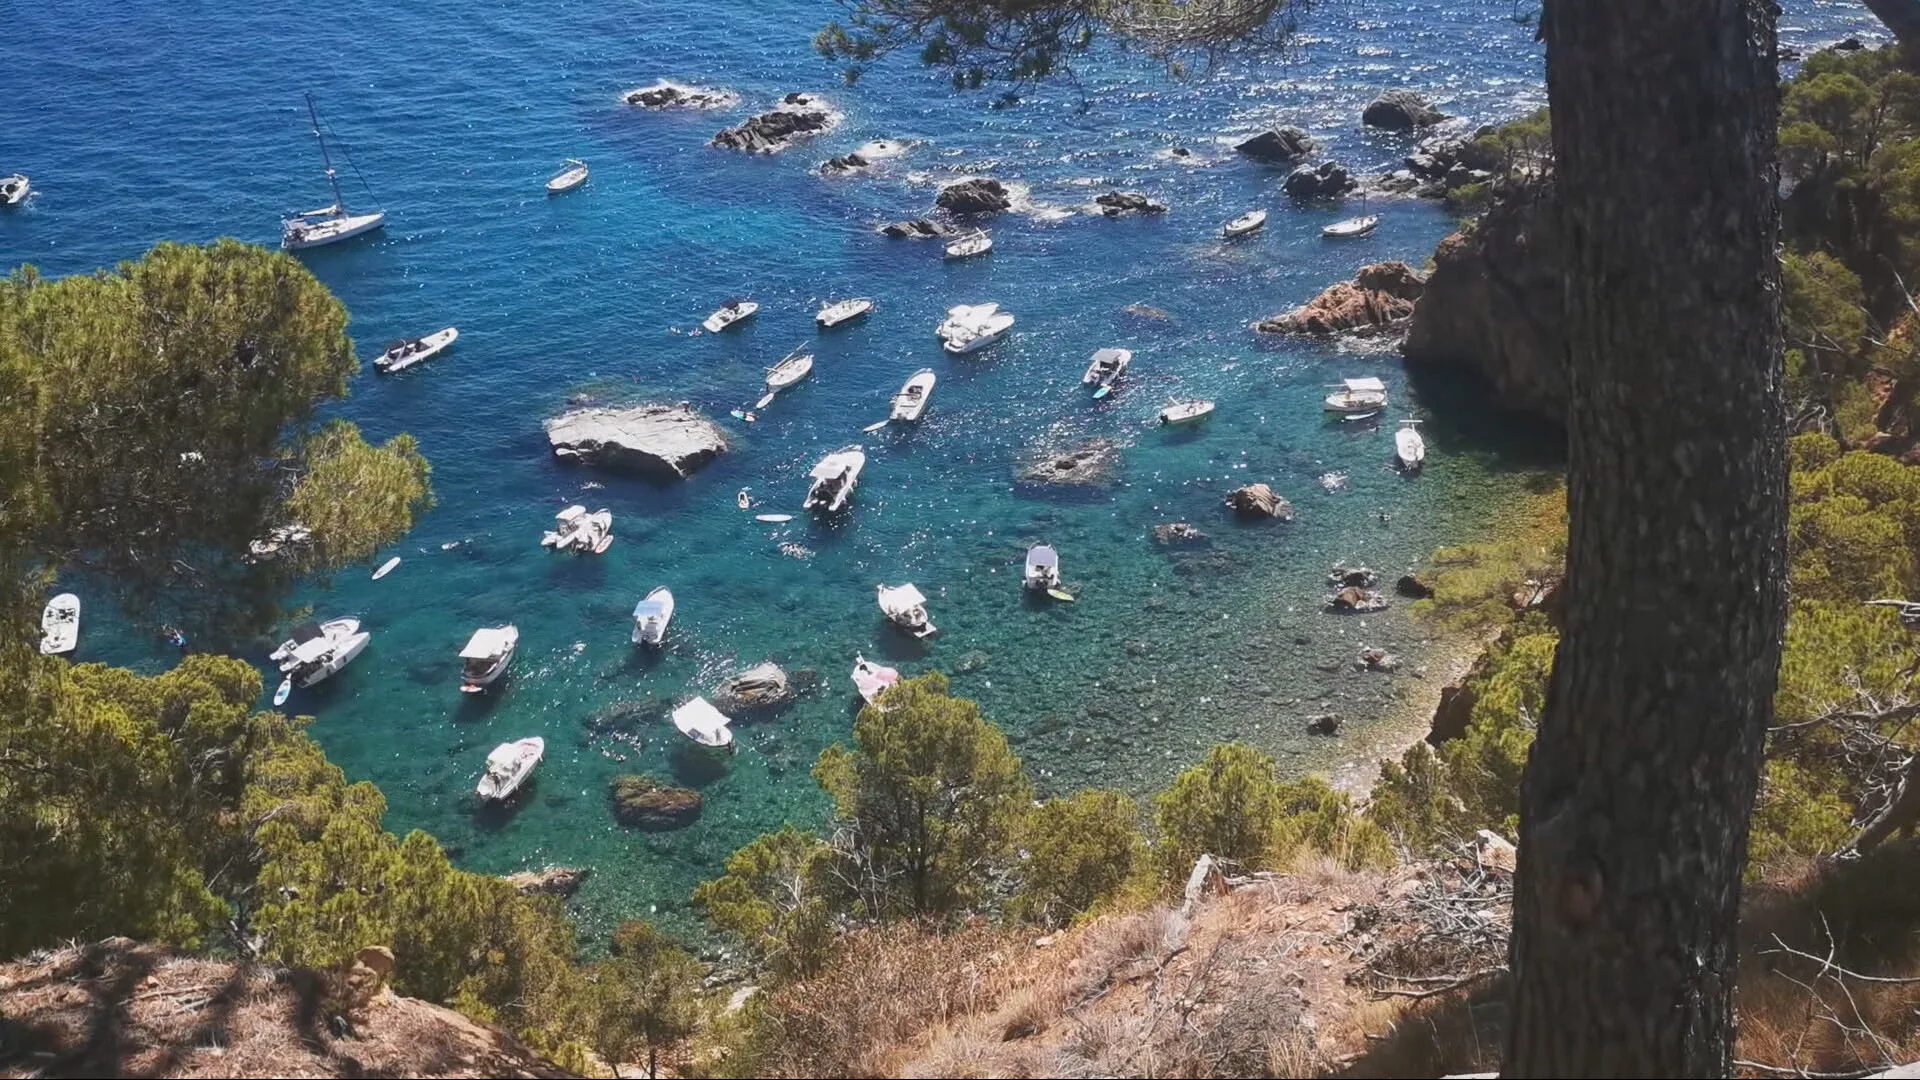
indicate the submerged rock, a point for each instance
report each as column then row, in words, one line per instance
column 560, row 881
column 1354, row 598
column 1087, row 464
column 774, row 129
column 1147, row 313
column 1400, row 110
column 760, row 687
column 1259, row 500
column 1115, row 203
column 1380, row 297
column 1377, row 660
column 1342, row 575
column 1279, row 145
column 660, row 440
column 647, row 804
column 917, row 229
column 981, row 195
column 1177, row 532
column 1323, row 181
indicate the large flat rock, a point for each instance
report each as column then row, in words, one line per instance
column 658, row 440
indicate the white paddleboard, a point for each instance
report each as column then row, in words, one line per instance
column 286, row 689
column 774, row 519
column 386, row 568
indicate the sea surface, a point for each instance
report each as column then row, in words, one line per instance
column 144, row 121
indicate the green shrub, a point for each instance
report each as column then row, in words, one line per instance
column 1083, row 852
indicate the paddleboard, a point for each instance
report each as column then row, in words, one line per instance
column 871, row 428
column 765, row 401
column 1058, row 594
column 774, row 519
column 286, row 689
column 1357, row 417
column 1100, row 393
column 386, row 568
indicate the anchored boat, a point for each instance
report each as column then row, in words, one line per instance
column 731, row 312
column 651, row 616
column 1250, row 222
column 905, row 607
column 329, row 224
column 834, row 479
column 402, row 355
column 509, row 766
column 60, row 625
column 1409, row 449
column 486, row 657
column 571, row 175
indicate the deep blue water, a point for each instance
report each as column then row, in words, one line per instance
column 144, row 121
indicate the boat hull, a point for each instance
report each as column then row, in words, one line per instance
column 342, row 656
column 434, row 344
column 16, row 193
column 832, row 316
column 60, row 625
column 566, row 181
column 976, row 342
column 329, row 231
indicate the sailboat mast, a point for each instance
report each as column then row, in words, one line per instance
column 339, row 203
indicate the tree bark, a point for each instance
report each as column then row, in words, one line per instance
column 1902, row 17
column 1635, row 803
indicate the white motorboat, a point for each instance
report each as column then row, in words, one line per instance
column 1184, row 412
column 1105, row 370
column 1408, row 447
column 1250, row 222
column 962, row 317
column 329, row 224
column 1359, row 226
column 979, row 335
column 791, row 369
column 278, row 541
column 911, row 401
column 1356, row 396
column 700, row 721
column 509, row 766
column 834, row 479
column 1043, row 568
column 651, row 616
column 402, row 355
column 14, row 189
column 60, row 625
column 842, row 311
column 967, row 245
column 486, row 656
column 730, row 313
column 317, row 650
column 580, row 532
column 573, row 173
column 905, row 607
column 871, row 678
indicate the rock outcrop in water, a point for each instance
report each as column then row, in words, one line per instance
column 1259, row 501
column 1400, row 110
column 1088, row 464
column 666, row 95
column 763, row 686
column 1492, row 303
column 651, row 806
column 1279, row 146
column 845, row 163
column 1116, row 203
column 1380, row 297
column 796, row 118
column 981, row 195
column 560, row 881
column 917, row 229
column 658, row 440
column 1323, row 181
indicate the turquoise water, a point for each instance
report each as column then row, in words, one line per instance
column 184, row 122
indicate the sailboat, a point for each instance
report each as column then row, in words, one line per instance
column 329, row 224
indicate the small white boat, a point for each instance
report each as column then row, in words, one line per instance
column 402, row 355
column 318, row 650
column 386, row 568
column 791, row 369
column 651, row 616
column 486, row 656
column 1043, row 568
column 834, row 479
column 1250, row 222
column 1359, row 226
column 871, row 678
column 580, row 532
column 842, row 311
column 979, row 335
column 572, row 174
column 700, row 721
column 509, row 766
column 1184, row 412
column 1105, row 370
column 905, row 607
column 1354, row 396
column 60, row 625
column 970, row 244
column 732, row 312
column 1408, row 447
column 329, row 224
column 14, row 189
column 911, row 401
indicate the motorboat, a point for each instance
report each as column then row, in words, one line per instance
column 1105, row 369
column 1355, row 396
column 1359, row 226
column 318, row 650
column 905, row 607
column 871, row 678
column 14, row 189
column 486, row 656
column 967, row 245
column 911, row 401
column 402, row 355
column 573, row 173
column 834, row 479
column 60, row 625
column 1186, row 412
column 731, row 312
column 329, row 224
column 791, row 369
column 842, row 311
column 580, row 532
column 651, row 616
column 979, row 335
column 1043, row 568
column 509, row 766
column 700, row 721
column 1408, row 447
column 278, row 541
column 1250, row 222
column 961, row 317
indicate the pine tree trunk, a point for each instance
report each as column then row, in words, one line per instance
column 1635, row 803
column 1900, row 16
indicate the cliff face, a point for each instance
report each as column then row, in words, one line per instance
column 1492, row 304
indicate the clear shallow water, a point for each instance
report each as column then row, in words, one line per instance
column 153, row 122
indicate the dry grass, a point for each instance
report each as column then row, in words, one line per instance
column 121, row 1009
